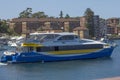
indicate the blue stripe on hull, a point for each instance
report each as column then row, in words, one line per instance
column 103, row 53
column 35, row 57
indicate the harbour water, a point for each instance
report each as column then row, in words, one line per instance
column 91, row 69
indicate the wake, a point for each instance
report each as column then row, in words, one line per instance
column 3, row 63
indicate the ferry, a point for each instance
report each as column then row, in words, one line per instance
column 57, row 47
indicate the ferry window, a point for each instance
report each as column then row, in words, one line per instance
column 66, row 37
column 56, row 48
column 38, row 49
column 25, row 49
column 31, row 48
column 51, row 36
column 76, row 36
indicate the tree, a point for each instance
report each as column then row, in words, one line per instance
column 90, row 23
column 61, row 14
column 39, row 15
column 26, row 13
column 11, row 32
column 67, row 16
column 3, row 26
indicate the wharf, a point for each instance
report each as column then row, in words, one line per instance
column 113, row 78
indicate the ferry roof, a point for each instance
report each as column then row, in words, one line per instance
column 62, row 33
column 66, row 33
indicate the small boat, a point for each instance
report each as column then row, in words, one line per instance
column 15, row 41
column 3, row 40
column 3, row 47
column 58, row 47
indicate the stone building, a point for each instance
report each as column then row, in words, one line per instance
column 83, row 21
column 28, row 25
column 83, row 32
column 112, row 25
column 96, row 26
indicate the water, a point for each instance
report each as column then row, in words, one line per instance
column 90, row 69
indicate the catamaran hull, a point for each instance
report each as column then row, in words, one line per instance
column 39, row 57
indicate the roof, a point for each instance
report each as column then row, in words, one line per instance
column 80, row 28
column 66, row 33
column 43, row 19
column 59, row 33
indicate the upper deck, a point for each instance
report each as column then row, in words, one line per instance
column 58, row 39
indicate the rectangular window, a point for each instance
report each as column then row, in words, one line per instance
column 56, row 48
column 38, row 49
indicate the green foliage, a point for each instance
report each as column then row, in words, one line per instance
column 67, row 16
column 88, row 13
column 3, row 26
column 12, row 32
column 26, row 13
column 39, row 15
column 61, row 14
column 89, row 18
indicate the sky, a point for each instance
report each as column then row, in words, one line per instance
column 104, row 8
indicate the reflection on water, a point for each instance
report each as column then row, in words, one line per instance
column 89, row 69
column 65, row 70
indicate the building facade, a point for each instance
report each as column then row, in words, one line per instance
column 112, row 25
column 103, row 27
column 25, row 25
column 96, row 26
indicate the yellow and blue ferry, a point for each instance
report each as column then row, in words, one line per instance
column 57, row 47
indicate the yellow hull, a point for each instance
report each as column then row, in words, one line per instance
column 73, row 51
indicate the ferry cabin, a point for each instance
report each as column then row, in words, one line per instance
column 62, row 44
